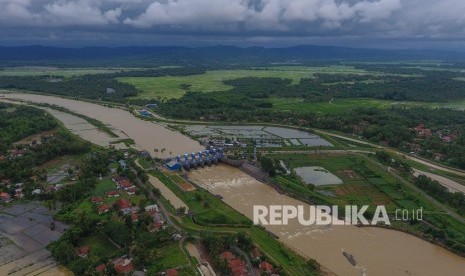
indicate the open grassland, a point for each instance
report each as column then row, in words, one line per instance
column 99, row 245
column 174, row 87
column 53, row 71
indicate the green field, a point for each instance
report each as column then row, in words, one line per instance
column 99, row 245
column 52, row 71
column 103, row 187
column 169, row 256
column 171, row 87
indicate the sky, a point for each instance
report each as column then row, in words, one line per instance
column 438, row 24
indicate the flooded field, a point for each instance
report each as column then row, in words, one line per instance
column 317, row 176
column 83, row 129
column 264, row 136
column 376, row 251
column 450, row 184
column 147, row 135
column 24, row 234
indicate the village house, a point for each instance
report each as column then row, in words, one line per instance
column 124, row 206
column 134, row 218
column 152, row 207
column 131, row 191
column 123, row 265
column 422, row 131
column 156, row 226
column 256, row 255
column 5, row 197
column 96, row 200
column 83, row 251
column 103, row 209
column 266, row 267
column 113, row 194
column 438, row 156
column 123, row 183
column 101, row 269
column 19, row 193
column 135, row 209
column 236, row 265
column 172, row 272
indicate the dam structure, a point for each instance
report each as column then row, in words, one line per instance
column 188, row 161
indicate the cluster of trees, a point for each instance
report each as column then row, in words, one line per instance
column 441, row 193
column 20, row 122
column 85, row 86
column 20, row 169
column 393, row 162
column 217, row 244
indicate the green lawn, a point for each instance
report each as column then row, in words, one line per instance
column 99, row 245
column 170, row 87
column 169, row 256
column 103, row 187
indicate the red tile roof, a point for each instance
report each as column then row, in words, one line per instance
column 123, row 203
column 84, row 250
column 134, row 218
column 237, row 266
column 227, row 255
column 266, row 266
column 103, row 208
column 101, row 268
column 123, row 265
column 96, row 199
column 172, row 272
column 112, row 193
column 256, row 253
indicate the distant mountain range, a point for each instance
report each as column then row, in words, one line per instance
column 215, row 54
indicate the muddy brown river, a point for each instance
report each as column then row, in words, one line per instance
column 147, row 135
column 377, row 251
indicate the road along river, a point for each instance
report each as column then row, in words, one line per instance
column 377, row 251
column 450, row 184
column 147, row 135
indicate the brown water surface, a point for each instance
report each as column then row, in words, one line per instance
column 377, row 251
column 147, row 135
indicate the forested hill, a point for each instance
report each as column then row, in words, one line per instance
column 41, row 55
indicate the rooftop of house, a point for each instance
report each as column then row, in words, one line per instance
column 266, row 266
column 83, row 250
column 123, row 203
column 101, row 268
column 172, row 272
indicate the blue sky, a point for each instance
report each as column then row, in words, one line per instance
column 358, row 23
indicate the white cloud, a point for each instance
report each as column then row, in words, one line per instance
column 401, row 18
